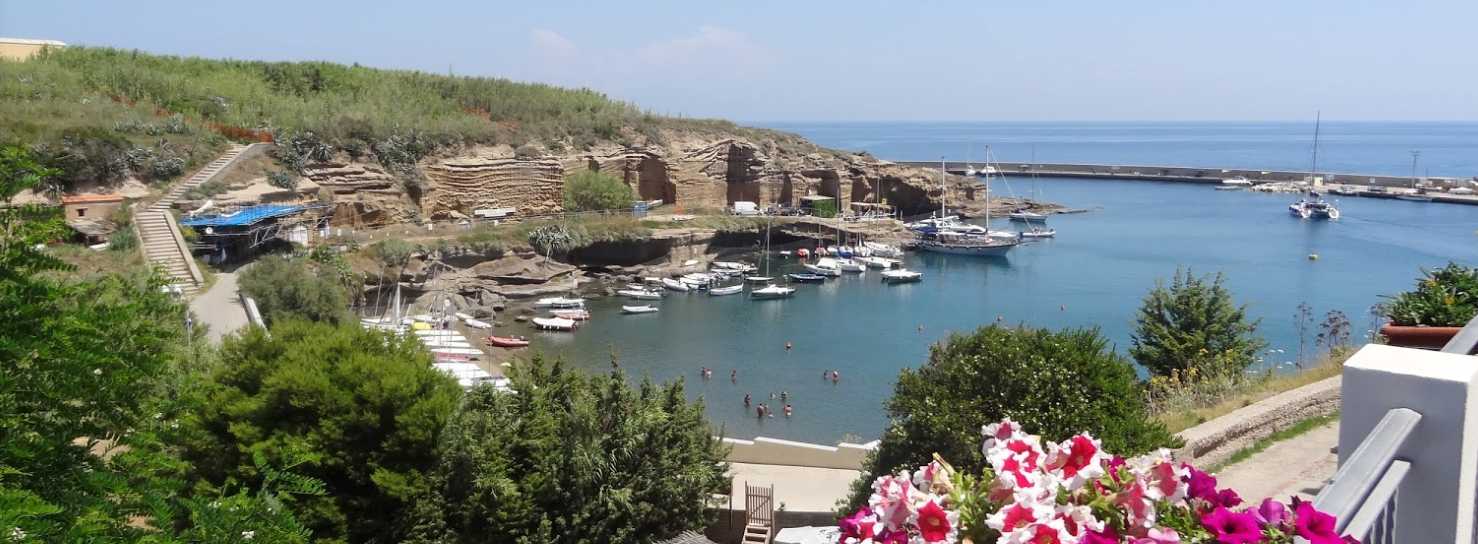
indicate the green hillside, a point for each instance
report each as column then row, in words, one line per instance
column 100, row 114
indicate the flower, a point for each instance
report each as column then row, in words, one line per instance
column 1314, row 525
column 1106, row 536
column 1042, row 533
column 1231, row 528
column 1201, row 485
column 998, row 432
column 859, row 525
column 1139, row 509
column 1078, row 519
column 1159, row 536
column 1018, row 515
column 1076, row 461
column 248, row 535
column 1227, row 498
column 1271, row 513
column 934, row 523
column 890, row 500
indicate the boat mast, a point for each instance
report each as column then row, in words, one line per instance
column 1314, row 166
column 1414, row 156
column 943, row 191
column 987, row 191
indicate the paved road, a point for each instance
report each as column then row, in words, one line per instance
column 1297, row 466
column 220, row 308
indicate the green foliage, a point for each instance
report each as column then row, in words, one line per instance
column 1057, row 383
column 591, row 190
column 206, row 190
column 1194, row 323
column 571, row 458
column 1445, row 297
column 392, row 253
column 363, row 408
column 825, row 208
column 282, row 180
column 295, row 288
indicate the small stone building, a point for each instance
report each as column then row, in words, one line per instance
column 90, row 206
column 23, row 49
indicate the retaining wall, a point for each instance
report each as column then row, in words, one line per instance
column 773, row 451
column 1214, row 441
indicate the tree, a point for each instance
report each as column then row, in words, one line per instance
column 1194, row 323
column 295, row 288
column 1059, row 383
column 363, row 407
column 567, row 457
column 591, row 190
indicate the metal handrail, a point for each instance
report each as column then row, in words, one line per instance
column 1361, row 473
column 1466, row 340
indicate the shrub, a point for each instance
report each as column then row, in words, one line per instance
column 282, row 179
column 1445, row 297
column 364, row 408
column 1193, row 323
column 294, row 288
column 568, row 457
column 591, row 190
column 206, row 190
column 1060, row 382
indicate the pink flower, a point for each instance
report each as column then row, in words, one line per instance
column 1227, row 498
column 1230, row 528
column 1139, row 509
column 1314, row 525
column 1041, row 533
column 891, row 537
column 1271, row 513
column 859, row 525
column 1076, row 461
column 1078, row 519
column 1018, row 515
column 1201, row 485
column 998, row 432
column 890, row 500
column 1106, row 536
column 1159, row 536
column 933, row 522
column 1164, row 482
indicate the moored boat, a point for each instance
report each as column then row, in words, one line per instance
column 577, row 315
column 883, row 263
column 850, row 265
column 977, row 246
column 901, row 275
column 477, row 324
column 1039, row 233
column 883, row 250
column 825, row 266
column 771, row 292
column 728, row 290
column 640, row 294
column 675, row 285
column 758, row 279
column 645, row 309
column 806, row 278
column 560, row 302
column 554, row 323
column 1027, row 217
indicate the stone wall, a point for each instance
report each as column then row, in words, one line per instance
column 1212, row 442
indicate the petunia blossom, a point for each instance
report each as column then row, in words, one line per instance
column 1201, row 485
column 1138, row 508
column 1227, row 527
column 934, row 523
column 1316, row 526
column 996, row 433
column 1018, row 515
column 1042, row 533
column 1159, row 535
column 1271, row 513
column 1078, row 519
column 860, row 525
column 1076, row 461
column 891, row 502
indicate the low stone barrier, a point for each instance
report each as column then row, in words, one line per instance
column 773, row 451
column 1214, row 441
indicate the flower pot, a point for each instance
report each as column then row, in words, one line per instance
column 1418, row 337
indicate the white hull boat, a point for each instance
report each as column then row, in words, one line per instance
column 1039, row 233
column 640, row 294
column 1028, row 217
column 975, row 246
column 675, row 285
column 577, row 315
column 469, row 352
column 882, row 263
column 824, row 267
column 758, row 279
column 849, row 265
column 554, row 323
column 883, row 250
column 638, row 309
column 560, row 302
column 446, row 344
column 721, row 291
column 901, row 275
column 477, row 324
column 772, row 292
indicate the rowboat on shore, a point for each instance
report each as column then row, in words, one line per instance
column 508, row 341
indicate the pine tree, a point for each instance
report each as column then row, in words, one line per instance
column 1194, row 323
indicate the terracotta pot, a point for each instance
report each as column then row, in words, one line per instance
column 1418, row 337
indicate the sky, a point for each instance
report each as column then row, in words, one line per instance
column 796, row 60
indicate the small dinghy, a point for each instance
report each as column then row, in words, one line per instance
column 554, row 323
column 721, row 291
column 640, row 294
column 647, row 309
column 477, row 324
column 1039, row 233
column 560, row 302
column 771, row 292
column 759, row 279
column 577, row 315
column 508, row 341
column 806, row 278
column 675, row 285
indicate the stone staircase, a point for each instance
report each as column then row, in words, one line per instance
column 163, row 245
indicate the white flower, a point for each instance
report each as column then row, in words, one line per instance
column 16, row 534
column 97, row 372
column 248, row 535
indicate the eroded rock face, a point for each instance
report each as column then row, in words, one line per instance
column 459, row 185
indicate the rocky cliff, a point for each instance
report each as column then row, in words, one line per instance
column 690, row 172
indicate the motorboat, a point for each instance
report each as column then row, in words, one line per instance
column 555, row 323
column 901, row 275
column 883, row 263
column 1027, row 217
column 976, row 246
column 772, row 291
column 1039, row 233
column 851, row 265
column 1238, row 181
column 806, row 278
column 825, row 266
column 758, row 279
column 646, row 309
column 438, row 343
column 1314, row 207
column 729, row 290
column 1415, row 197
column 842, row 251
column 560, row 302
column 1229, row 187
column 640, row 294
column 734, row 266
column 577, row 315
column 883, row 250
column 508, row 341
column 675, row 285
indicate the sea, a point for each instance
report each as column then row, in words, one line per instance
column 1093, row 274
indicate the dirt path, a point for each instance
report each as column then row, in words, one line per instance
column 1297, row 466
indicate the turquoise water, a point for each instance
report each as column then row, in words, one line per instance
column 1093, row 274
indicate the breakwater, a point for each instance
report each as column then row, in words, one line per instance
column 1184, row 174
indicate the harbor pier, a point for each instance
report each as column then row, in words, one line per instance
column 1212, row 176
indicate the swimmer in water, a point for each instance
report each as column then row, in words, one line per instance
column 787, row 410
column 746, row 400
column 787, row 345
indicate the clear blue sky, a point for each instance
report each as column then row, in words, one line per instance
column 861, row 60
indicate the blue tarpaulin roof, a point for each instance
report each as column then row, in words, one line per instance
column 243, row 217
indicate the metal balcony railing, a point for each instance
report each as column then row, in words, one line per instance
column 1365, row 492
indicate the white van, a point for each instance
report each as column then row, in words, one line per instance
column 746, row 208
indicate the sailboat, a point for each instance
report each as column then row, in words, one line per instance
column 770, row 291
column 1312, row 205
column 1025, row 216
column 955, row 243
